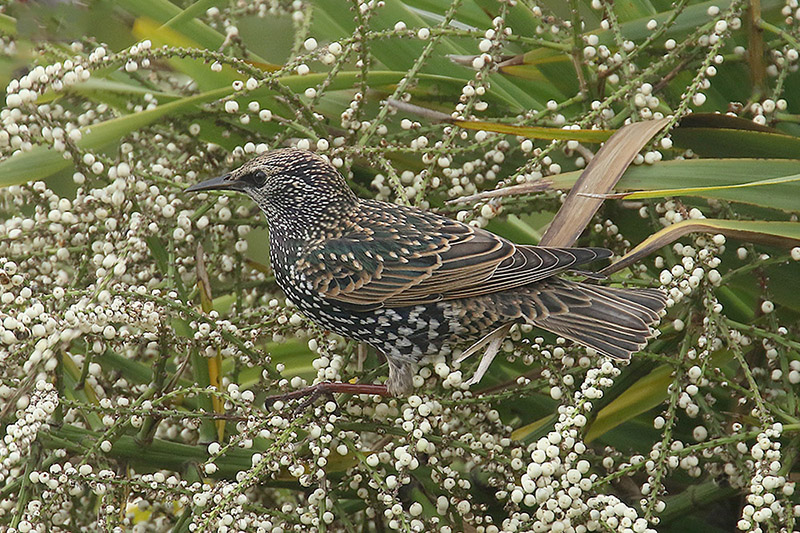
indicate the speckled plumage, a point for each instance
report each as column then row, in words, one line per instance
column 410, row 282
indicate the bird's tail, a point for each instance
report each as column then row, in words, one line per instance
column 613, row 321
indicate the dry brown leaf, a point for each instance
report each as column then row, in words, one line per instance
column 539, row 185
column 600, row 177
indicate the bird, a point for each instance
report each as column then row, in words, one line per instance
column 411, row 282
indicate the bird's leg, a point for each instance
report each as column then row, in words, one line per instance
column 361, row 356
column 328, row 388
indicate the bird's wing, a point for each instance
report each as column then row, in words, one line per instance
column 394, row 256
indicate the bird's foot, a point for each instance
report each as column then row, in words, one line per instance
column 326, row 388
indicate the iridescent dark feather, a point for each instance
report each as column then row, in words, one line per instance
column 411, row 282
column 393, row 256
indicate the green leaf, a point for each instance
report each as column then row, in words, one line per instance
column 95, row 87
column 776, row 233
column 8, row 25
column 697, row 173
column 41, row 161
column 696, row 191
column 647, row 393
column 543, row 65
column 165, row 12
column 524, row 431
column 192, row 11
column 536, row 132
column 159, row 253
column 705, row 173
column 397, row 54
column 716, row 135
column 197, row 71
column 86, row 394
column 469, row 13
column 132, row 370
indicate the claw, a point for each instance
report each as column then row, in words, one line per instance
column 493, row 341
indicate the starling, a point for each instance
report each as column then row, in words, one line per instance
column 409, row 282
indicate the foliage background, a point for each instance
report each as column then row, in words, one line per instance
column 142, row 328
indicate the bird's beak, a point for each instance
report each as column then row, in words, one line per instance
column 222, row 183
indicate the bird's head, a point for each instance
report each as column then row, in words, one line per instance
column 294, row 188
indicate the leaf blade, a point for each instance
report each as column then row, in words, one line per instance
column 778, row 233
column 601, row 174
column 41, row 161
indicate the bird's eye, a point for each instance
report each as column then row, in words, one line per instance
column 258, row 178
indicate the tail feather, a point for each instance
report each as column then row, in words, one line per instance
column 613, row 321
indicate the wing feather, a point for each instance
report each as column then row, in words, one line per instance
column 396, row 256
